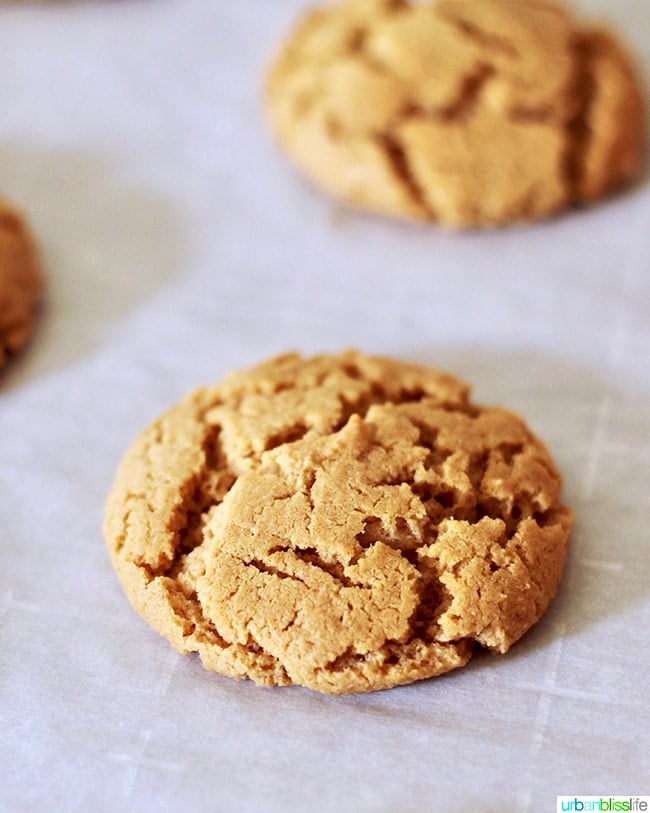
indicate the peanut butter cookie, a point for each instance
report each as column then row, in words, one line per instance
column 466, row 112
column 20, row 282
column 347, row 523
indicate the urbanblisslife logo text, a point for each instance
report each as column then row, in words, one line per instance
column 610, row 804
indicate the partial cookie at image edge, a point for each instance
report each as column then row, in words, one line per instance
column 21, row 283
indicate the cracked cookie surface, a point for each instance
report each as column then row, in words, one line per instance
column 347, row 523
column 20, row 283
column 465, row 112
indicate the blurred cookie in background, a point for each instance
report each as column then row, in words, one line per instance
column 21, row 282
column 469, row 113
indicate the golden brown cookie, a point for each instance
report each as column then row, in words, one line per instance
column 466, row 112
column 20, row 282
column 347, row 523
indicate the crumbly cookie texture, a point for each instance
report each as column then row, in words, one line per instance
column 467, row 112
column 347, row 523
column 20, row 282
